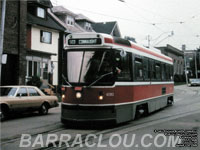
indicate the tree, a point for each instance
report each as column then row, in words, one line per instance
column 35, row 81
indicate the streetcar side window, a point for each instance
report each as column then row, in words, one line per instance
column 146, row 69
column 153, row 70
column 123, row 67
column 172, row 72
column 158, row 71
column 168, row 72
column 138, row 69
column 163, row 72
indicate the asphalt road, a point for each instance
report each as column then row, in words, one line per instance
column 144, row 133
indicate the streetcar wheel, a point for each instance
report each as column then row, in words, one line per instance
column 170, row 101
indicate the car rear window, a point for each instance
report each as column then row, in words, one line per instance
column 8, row 91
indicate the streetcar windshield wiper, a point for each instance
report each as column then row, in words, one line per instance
column 66, row 80
column 102, row 76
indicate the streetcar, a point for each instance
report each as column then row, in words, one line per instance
column 108, row 78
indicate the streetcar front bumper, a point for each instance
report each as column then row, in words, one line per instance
column 78, row 113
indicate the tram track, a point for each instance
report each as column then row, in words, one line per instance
column 133, row 124
column 122, row 129
column 17, row 137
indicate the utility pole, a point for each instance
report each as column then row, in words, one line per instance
column 195, row 59
column 149, row 40
column 186, row 77
column 3, row 12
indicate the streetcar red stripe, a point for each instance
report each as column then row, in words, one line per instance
column 110, row 40
column 119, row 94
column 149, row 52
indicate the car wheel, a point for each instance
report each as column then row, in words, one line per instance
column 2, row 115
column 43, row 109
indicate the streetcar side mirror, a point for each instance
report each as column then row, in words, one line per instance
column 123, row 53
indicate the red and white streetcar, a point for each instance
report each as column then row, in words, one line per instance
column 108, row 78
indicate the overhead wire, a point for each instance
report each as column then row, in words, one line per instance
column 147, row 21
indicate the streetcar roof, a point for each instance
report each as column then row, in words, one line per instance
column 110, row 41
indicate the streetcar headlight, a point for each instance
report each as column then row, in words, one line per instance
column 78, row 95
column 63, row 96
column 101, row 97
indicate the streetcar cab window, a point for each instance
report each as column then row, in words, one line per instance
column 123, row 66
column 90, row 66
column 138, row 69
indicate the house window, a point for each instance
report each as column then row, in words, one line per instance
column 45, row 37
column 34, row 68
column 41, row 12
column 87, row 26
column 70, row 20
column 37, row 66
column 45, row 71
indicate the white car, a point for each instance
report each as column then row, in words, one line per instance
column 194, row 82
column 24, row 99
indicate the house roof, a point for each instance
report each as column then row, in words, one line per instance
column 172, row 49
column 60, row 10
column 68, row 28
column 45, row 3
column 81, row 17
column 49, row 22
column 104, row 27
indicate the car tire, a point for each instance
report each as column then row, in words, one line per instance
column 44, row 109
column 2, row 114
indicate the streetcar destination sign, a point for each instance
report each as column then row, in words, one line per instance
column 91, row 41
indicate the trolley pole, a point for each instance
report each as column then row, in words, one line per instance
column 3, row 12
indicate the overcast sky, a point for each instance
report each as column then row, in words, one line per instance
column 140, row 18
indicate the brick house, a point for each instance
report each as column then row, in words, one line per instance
column 178, row 59
column 14, row 71
column 192, row 58
column 32, row 41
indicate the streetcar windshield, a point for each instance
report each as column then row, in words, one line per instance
column 84, row 67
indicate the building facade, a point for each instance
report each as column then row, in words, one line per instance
column 178, row 60
column 32, row 41
column 192, row 58
column 43, row 35
column 14, row 45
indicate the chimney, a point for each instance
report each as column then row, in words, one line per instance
column 183, row 47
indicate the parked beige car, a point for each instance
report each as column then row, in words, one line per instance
column 24, row 99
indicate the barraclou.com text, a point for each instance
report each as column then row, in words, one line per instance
column 92, row 140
